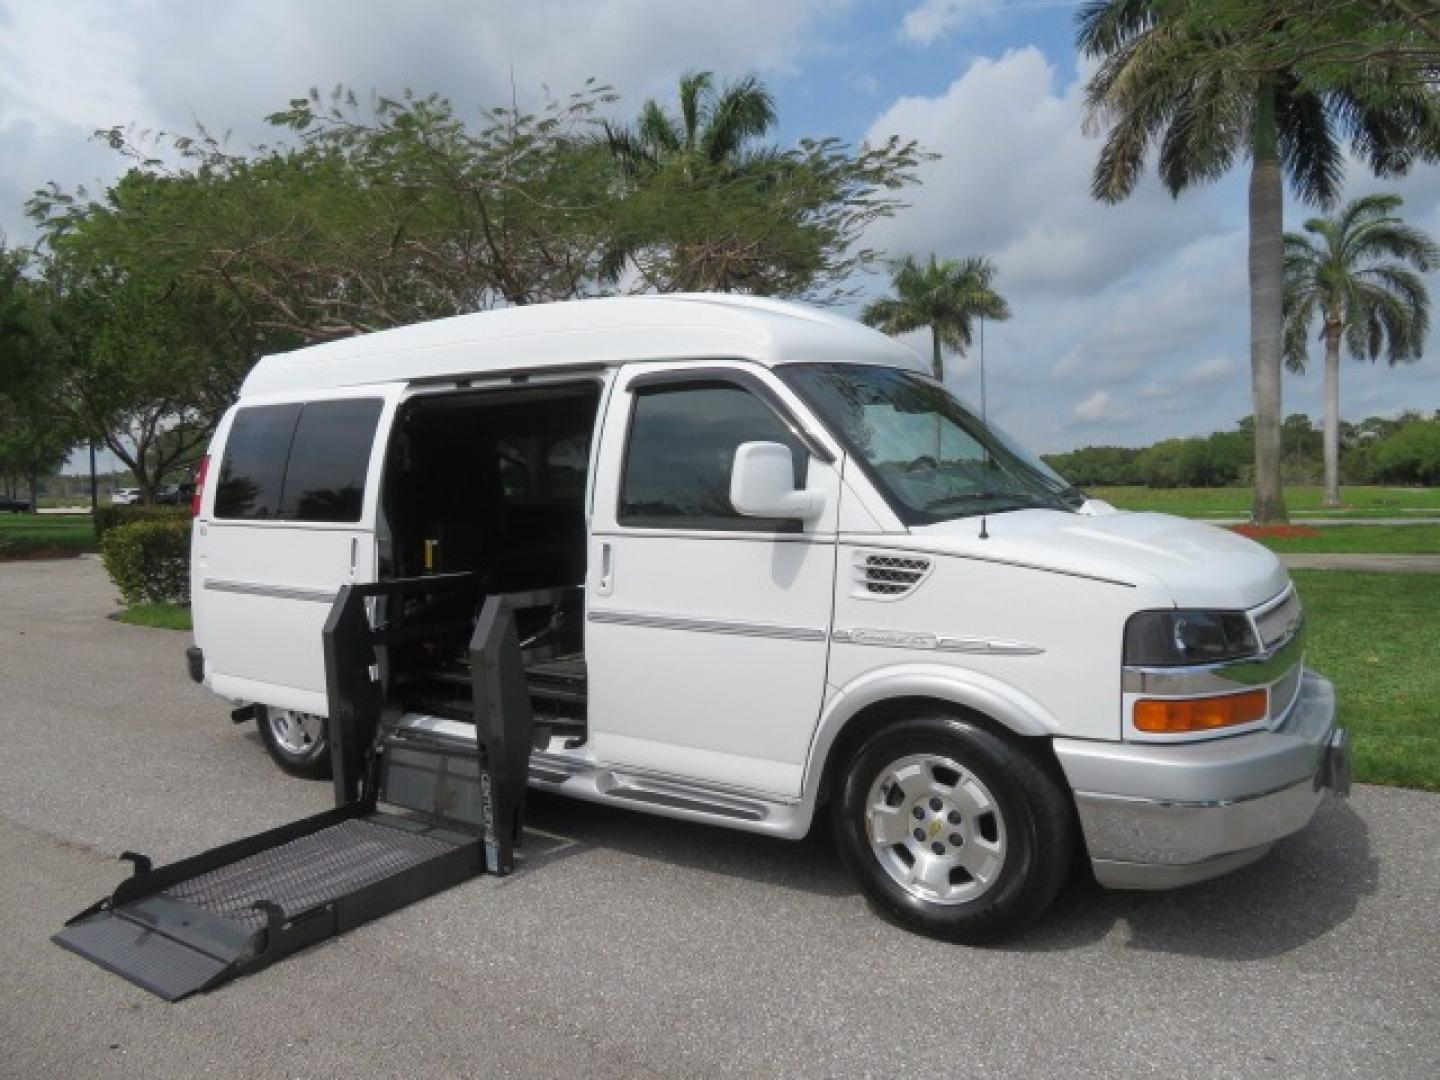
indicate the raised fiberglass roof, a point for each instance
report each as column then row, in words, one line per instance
column 607, row 331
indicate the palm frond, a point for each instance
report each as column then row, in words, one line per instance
column 1209, row 123
column 1366, row 208
column 1299, row 314
column 1309, row 153
column 1102, row 26
column 1394, row 239
column 745, row 110
column 891, row 316
column 656, row 129
column 695, row 86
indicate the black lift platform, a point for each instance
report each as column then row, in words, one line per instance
column 414, row 815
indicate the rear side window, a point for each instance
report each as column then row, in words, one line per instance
column 253, row 470
column 298, row 463
column 681, row 451
column 329, row 457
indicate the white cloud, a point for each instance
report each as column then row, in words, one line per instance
column 1126, row 302
column 1097, row 408
column 934, row 19
column 68, row 67
column 1216, row 369
column 1013, row 180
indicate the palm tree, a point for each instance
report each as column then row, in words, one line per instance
column 945, row 295
column 714, row 127
column 684, row 169
column 1356, row 275
column 1205, row 99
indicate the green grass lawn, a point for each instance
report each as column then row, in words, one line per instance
column 1367, row 539
column 1301, row 501
column 1377, row 636
column 159, row 616
column 29, row 536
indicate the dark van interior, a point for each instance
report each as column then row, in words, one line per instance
column 491, row 484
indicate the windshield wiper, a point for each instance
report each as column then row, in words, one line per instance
column 1021, row 501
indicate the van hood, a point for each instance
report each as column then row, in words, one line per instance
column 1198, row 565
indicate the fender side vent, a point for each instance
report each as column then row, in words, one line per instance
column 888, row 577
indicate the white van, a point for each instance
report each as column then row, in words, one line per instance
column 786, row 574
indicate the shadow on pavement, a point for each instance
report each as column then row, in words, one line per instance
column 1305, row 887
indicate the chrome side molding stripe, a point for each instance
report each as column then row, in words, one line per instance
column 908, row 639
column 707, row 626
column 281, row 592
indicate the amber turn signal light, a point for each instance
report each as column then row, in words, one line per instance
column 1174, row 717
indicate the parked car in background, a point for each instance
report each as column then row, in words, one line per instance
column 125, row 497
column 175, row 494
column 14, row 506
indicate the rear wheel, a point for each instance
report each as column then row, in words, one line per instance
column 296, row 740
column 952, row 830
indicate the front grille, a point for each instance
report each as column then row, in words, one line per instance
column 889, row 576
column 1280, row 621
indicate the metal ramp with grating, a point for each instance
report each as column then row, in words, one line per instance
column 414, row 815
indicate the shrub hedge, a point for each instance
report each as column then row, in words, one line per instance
column 149, row 560
column 109, row 517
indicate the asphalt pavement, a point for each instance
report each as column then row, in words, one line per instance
column 632, row 946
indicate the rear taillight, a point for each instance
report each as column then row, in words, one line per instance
column 199, row 486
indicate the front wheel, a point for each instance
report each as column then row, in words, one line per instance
column 296, row 740
column 952, row 830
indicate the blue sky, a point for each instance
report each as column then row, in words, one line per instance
column 1130, row 322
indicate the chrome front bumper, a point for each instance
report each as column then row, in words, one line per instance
column 1160, row 815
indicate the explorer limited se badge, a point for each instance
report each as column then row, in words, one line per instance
column 895, row 638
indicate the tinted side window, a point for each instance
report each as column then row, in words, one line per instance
column 253, row 470
column 681, row 449
column 329, row 457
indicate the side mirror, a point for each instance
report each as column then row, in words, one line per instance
column 762, row 484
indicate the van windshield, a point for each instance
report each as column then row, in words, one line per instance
column 930, row 455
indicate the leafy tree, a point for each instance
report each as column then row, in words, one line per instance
column 1210, row 461
column 143, row 367
column 363, row 217
column 1207, row 92
column 1354, row 274
column 706, row 205
column 1300, row 449
column 946, row 295
column 716, row 128
column 1410, row 455
column 34, row 436
column 1324, row 39
column 1098, row 466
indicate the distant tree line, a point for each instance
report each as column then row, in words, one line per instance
column 1404, row 450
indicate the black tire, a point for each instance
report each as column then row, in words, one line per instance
column 308, row 758
column 1030, row 821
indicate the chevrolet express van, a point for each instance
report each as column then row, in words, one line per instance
column 783, row 575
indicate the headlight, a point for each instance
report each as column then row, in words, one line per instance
column 1172, row 638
